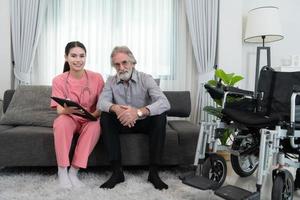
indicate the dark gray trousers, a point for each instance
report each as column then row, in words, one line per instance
column 154, row 126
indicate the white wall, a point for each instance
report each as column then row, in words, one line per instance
column 281, row 50
column 5, row 52
column 290, row 45
column 230, row 36
column 240, row 57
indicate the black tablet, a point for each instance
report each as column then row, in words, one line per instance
column 70, row 103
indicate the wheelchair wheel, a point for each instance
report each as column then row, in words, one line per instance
column 244, row 165
column 215, row 169
column 283, row 189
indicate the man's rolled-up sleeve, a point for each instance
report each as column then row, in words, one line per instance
column 160, row 103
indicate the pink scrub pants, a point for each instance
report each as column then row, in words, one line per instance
column 64, row 128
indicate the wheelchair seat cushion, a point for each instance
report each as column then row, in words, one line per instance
column 250, row 119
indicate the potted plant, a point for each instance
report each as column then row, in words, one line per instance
column 223, row 79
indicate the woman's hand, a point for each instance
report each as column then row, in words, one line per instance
column 96, row 113
column 68, row 110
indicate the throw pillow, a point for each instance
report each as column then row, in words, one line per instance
column 30, row 106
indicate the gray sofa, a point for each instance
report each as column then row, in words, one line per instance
column 28, row 143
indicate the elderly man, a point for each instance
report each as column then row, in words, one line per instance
column 131, row 101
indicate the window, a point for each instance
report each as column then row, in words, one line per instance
column 146, row 27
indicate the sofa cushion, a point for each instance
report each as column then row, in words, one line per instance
column 34, row 146
column 30, row 105
column 4, row 127
column 184, row 126
column 180, row 102
column 187, row 138
column 27, row 146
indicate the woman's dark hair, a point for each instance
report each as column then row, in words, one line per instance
column 69, row 46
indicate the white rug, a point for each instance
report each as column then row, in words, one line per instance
column 28, row 184
column 41, row 184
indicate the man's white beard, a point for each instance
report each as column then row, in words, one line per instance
column 125, row 76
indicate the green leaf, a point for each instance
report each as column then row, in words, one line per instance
column 229, row 79
column 219, row 73
column 215, row 111
column 218, row 102
column 222, row 75
column 212, row 82
column 227, row 133
column 230, row 76
column 235, row 79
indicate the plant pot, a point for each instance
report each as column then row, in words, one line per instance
column 226, row 156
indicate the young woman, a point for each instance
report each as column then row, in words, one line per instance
column 83, row 87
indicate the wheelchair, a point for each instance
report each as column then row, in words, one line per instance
column 265, row 126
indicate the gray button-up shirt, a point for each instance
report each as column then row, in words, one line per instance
column 141, row 91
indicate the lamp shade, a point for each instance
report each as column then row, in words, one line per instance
column 263, row 21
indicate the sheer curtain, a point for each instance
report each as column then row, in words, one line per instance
column 203, row 26
column 26, row 22
column 156, row 31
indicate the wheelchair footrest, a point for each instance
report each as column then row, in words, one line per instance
column 186, row 175
column 199, row 182
column 231, row 192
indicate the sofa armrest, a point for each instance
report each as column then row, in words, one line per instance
column 8, row 94
column 180, row 102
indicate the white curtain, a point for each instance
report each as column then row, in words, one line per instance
column 156, row 31
column 26, row 23
column 202, row 18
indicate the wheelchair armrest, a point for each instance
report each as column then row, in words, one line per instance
column 236, row 92
column 293, row 105
column 240, row 92
column 296, row 92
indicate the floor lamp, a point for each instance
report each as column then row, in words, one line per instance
column 263, row 26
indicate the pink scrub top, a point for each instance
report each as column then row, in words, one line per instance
column 84, row 91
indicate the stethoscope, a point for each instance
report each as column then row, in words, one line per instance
column 83, row 90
